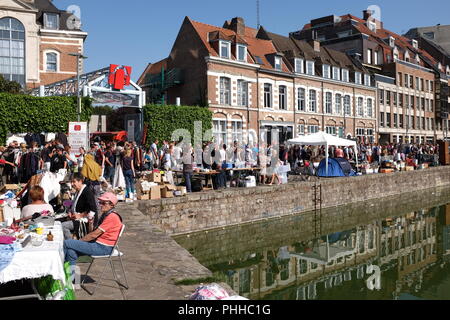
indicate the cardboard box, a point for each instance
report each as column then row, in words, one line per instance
column 154, row 193
column 183, row 190
column 155, row 177
column 409, row 168
column 167, row 191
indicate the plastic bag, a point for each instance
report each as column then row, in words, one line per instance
column 209, row 292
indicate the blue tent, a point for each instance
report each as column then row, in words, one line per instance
column 337, row 167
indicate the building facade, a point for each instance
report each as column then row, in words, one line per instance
column 255, row 85
column 412, row 107
column 36, row 39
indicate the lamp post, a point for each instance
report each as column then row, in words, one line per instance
column 79, row 56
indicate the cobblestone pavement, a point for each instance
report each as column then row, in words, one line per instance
column 153, row 262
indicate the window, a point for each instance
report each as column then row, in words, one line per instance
column 388, row 98
column 429, row 35
column 411, row 82
column 336, row 73
column 361, row 107
column 236, row 131
column 301, row 130
column 382, row 119
column 422, row 103
column 400, row 117
column 411, row 100
column 369, row 56
column 376, row 62
column 278, row 63
column 395, row 120
column 400, row 78
column 331, row 130
column 220, row 131
column 391, row 42
column 347, row 106
column 312, row 101
column 407, row 101
column 282, row 101
column 369, row 108
column 367, row 80
column 267, row 95
column 381, row 96
column 406, row 81
column 422, row 87
column 299, row 66
column 338, row 103
column 52, row 62
column 241, row 53
column 400, row 100
column 242, row 93
column 225, row 91
column 225, row 48
column 51, row 21
column 395, row 98
column 328, row 102
column 431, row 105
column 310, row 68
column 301, row 99
column 358, row 78
column 345, row 75
column 388, row 120
column 12, row 50
column 326, row 71
column 259, row 60
column 313, row 129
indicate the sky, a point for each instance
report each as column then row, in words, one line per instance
column 138, row 32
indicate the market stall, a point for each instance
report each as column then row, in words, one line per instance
column 323, row 139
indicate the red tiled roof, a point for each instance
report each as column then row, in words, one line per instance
column 256, row 47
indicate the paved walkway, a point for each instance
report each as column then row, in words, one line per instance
column 153, row 263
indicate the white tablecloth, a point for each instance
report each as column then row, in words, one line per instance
column 37, row 262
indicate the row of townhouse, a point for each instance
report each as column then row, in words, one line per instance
column 342, row 75
column 254, row 84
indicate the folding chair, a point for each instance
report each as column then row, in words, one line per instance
column 114, row 254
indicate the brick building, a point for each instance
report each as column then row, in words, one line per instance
column 412, row 106
column 36, row 39
column 255, row 81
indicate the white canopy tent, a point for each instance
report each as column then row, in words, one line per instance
column 324, row 139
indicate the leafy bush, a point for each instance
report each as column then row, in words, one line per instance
column 24, row 113
column 9, row 86
column 162, row 120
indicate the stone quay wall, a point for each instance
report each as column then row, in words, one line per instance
column 219, row 209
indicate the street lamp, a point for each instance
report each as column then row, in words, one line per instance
column 79, row 57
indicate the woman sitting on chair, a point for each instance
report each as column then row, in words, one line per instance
column 101, row 241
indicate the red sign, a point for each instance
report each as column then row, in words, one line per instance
column 77, row 128
column 119, row 77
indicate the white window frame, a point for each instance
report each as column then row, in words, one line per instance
column 345, row 75
column 282, row 98
column 46, row 21
column 367, row 80
column 369, row 107
column 347, row 105
column 217, row 133
column 326, row 71
column 391, row 42
column 336, row 73
column 242, row 93
column 301, row 99
column 56, row 54
column 237, row 134
column 299, row 63
column 328, row 102
column 360, row 104
column 369, row 56
column 358, row 77
column 312, row 106
column 225, row 92
column 313, row 128
column 244, row 59
column 278, row 63
column 222, row 44
column 331, row 130
column 301, row 129
column 338, row 103
column 310, row 67
column 268, row 101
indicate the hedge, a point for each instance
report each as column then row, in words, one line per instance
column 24, row 113
column 162, row 121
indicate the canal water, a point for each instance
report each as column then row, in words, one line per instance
column 394, row 248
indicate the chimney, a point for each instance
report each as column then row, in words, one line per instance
column 315, row 44
column 238, row 25
column 367, row 14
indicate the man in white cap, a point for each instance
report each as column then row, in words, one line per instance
column 101, row 241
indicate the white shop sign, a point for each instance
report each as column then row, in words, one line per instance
column 78, row 136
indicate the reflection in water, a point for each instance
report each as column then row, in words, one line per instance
column 412, row 251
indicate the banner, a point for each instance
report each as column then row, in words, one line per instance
column 78, row 136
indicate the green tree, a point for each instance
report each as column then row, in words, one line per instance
column 9, row 86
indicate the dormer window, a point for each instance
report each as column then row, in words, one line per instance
column 345, row 75
column 241, row 52
column 51, row 21
column 336, row 73
column 225, row 49
column 299, row 66
column 358, row 77
column 326, row 71
column 372, row 26
column 367, row 80
column 277, row 63
column 310, row 68
column 392, row 42
column 415, row 44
